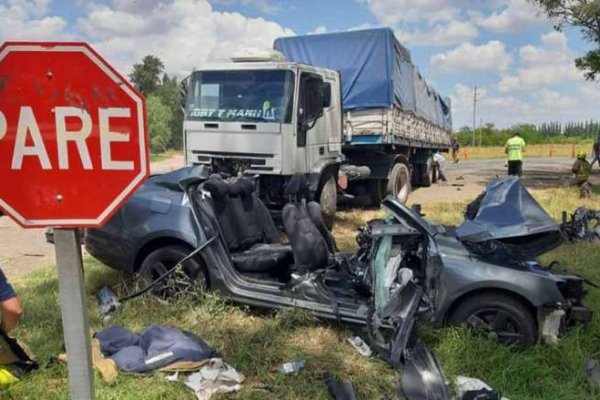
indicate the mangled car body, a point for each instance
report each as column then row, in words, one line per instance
column 404, row 267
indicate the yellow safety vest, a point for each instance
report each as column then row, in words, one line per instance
column 515, row 146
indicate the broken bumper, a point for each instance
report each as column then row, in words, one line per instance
column 422, row 376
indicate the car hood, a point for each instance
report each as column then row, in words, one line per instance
column 507, row 212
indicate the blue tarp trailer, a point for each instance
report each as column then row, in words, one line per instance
column 376, row 71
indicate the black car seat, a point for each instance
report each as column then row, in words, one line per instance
column 312, row 245
column 248, row 229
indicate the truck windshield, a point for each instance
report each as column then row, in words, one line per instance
column 245, row 96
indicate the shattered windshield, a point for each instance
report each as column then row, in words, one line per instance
column 241, row 96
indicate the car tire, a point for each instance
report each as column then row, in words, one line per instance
column 399, row 182
column 500, row 316
column 159, row 261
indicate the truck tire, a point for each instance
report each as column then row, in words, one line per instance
column 328, row 200
column 399, row 182
column 426, row 173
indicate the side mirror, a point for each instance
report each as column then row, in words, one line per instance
column 326, row 94
column 183, row 91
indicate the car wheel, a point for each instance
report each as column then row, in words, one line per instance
column 191, row 276
column 498, row 316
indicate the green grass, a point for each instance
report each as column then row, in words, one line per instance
column 253, row 341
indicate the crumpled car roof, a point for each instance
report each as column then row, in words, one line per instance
column 508, row 212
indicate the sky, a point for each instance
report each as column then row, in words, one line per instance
column 523, row 68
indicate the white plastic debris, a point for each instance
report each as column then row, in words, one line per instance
column 215, row 377
column 551, row 326
column 465, row 384
column 360, row 346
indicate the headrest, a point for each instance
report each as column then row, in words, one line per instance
column 297, row 187
column 242, row 187
column 217, row 187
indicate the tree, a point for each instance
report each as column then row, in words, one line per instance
column 584, row 14
column 170, row 94
column 159, row 119
column 146, row 76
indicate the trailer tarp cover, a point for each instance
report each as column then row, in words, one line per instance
column 376, row 70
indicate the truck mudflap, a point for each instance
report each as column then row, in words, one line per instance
column 422, row 376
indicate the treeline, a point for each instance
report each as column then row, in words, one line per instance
column 163, row 103
column 546, row 133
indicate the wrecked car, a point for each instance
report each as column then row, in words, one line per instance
column 482, row 273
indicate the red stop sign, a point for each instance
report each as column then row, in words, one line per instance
column 73, row 142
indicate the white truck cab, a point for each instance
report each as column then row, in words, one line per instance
column 265, row 117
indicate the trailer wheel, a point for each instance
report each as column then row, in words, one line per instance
column 328, row 201
column 399, row 182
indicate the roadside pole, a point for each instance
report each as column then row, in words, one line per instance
column 76, row 328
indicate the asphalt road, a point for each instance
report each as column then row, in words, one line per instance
column 22, row 251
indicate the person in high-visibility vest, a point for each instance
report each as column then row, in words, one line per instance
column 514, row 149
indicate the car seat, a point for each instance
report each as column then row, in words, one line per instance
column 247, row 227
column 312, row 243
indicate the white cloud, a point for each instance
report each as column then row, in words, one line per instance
column 489, row 57
column 546, row 65
column 393, row 12
column 555, row 39
column 319, row 30
column 440, row 34
column 264, row 6
column 26, row 20
column 183, row 33
column 514, row 16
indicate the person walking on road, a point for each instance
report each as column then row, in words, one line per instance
column 514, row 149
column 582, row 169
column 455, row 146
column 596, row 153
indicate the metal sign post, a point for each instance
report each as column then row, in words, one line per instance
column 76, row 330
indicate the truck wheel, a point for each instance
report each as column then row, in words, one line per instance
column 399, row 182
column 427, row 171
column 157, row 263
column 328, row 201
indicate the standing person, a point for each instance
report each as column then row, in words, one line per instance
column 455, row 145
column 514, row 149
column 440, row 163
column 582, row 169
column 595, row 153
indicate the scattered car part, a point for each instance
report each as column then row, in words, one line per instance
column 360, row 346
column 584, row 225
column 474, row 389
column 339, row 390
column 422, row 377
column 592, row 372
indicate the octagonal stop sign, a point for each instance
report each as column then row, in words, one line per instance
column 73, row 142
